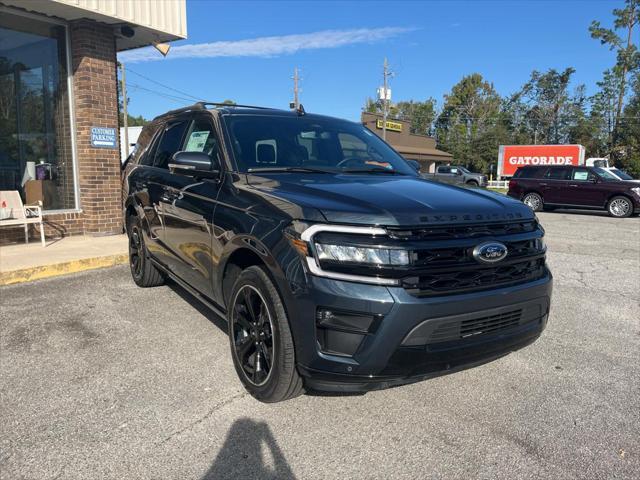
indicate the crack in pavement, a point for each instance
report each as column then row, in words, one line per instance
column 215, row 408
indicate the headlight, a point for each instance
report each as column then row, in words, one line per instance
column 370, row 256
column 540, row 245
column 636, row 190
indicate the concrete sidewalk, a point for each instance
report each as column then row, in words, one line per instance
column 24, row 263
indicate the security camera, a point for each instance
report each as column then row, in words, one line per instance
column 127, row 31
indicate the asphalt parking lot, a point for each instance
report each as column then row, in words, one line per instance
column 101, row 379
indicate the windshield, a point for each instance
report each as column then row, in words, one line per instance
column 305, row 144
column 464, row 170
column 621, row 174
column 606, row 174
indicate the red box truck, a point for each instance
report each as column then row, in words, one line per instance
column 511, row 157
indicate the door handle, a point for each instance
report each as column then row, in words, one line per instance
column 573, row 185
column 544, row 184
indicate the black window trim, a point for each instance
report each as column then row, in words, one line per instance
column 166, row 126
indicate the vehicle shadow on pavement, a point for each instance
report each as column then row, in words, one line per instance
column 249, row 451
column 217, row 320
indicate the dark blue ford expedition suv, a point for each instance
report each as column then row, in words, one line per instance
column 337, row 267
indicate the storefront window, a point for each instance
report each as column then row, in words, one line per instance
column 36, row 154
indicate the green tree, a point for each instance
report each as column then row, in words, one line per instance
column 470, row 125
column 583, row 126
column 627, row 55
column 543, row 107
column 603, row 112
column 420, row 114
column 138, row 121
column 629, row 132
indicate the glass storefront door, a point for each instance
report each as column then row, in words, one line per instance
column 36, row 155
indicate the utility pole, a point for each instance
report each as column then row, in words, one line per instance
column 125, row 116
column 385, row 97
column 296, row 98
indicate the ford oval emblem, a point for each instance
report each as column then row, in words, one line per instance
column 490, row 252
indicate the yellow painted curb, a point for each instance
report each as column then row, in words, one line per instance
column 64, row 268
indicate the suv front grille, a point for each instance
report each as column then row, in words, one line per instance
column 457, row 330
column 443, row 262
column 474, row 278
column 463, row 231
column 447, row 256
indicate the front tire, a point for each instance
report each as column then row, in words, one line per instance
column 144, row 273
column 620, row 207
column 473, row 183
column 260, row 338
column 533, row 201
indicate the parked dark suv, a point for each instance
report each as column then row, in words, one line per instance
column 336, row 266
column 549, row 187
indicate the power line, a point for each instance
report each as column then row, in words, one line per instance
column 175, row 98
column 165, row 86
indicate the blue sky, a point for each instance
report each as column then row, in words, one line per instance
column 246, row 51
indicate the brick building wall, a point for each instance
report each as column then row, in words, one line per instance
column 93, row 58
column 94, row 64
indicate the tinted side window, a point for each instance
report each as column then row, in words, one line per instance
column 138, row 154
column 148, row 156
column 526, row 172
column 444, row 169
column 558, row 173
column 169, row 144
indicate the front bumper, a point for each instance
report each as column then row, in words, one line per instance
column 414, row 338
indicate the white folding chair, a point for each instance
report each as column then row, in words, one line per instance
column 14, row 212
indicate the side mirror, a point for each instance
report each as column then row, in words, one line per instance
column 196, row 164
column 459, row 172
column 416, row 165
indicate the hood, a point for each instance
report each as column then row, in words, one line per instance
column 378, row 199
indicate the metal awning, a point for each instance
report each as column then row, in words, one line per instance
column 418, row 153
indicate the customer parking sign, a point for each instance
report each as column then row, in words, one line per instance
column 102, row 137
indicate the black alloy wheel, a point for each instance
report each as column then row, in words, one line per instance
column 260, row 338
column 252, row 331
column 144, row 273
column 135, row 252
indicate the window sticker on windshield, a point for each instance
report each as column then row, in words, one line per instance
column 197, row 141
column 580, row 175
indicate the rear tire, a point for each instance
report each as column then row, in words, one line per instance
column 260, row 338
column 533, row 201
column 144, row 273
column 620, row 207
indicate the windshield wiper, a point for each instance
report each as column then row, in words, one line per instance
column 370, row 170
column 288, row 169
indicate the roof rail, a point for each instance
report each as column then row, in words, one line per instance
column 196, row 106
column 203, row 105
